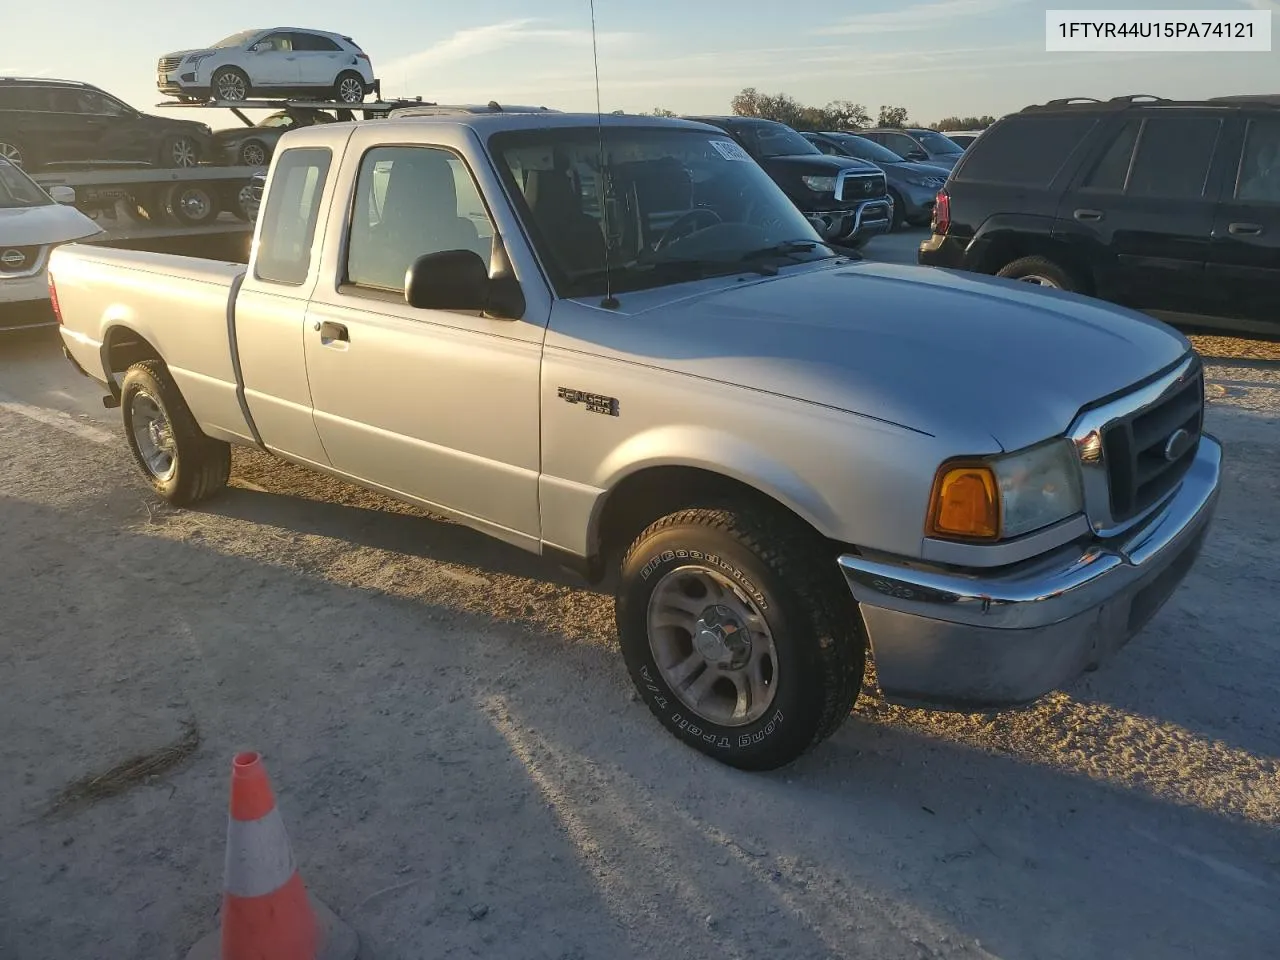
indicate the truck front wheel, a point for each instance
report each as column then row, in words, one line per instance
column 738, row 635
column 182, row 463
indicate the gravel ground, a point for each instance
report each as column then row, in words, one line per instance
column 464, row 771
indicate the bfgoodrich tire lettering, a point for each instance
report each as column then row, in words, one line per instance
column 782, row 572
column 182, row 463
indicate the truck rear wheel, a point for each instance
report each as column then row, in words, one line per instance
column 736, row 633
column 182, row 463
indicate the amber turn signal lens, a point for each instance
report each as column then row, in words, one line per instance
column 966, row 503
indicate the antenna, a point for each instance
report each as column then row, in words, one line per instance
column 609, row 302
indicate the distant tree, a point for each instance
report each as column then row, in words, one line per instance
column 836, row 115
column 659, row 112
column 892, row 117
column 963, row 123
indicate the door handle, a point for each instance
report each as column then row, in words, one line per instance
column 331, row 332
column 1247, row 229
column 1089, row 215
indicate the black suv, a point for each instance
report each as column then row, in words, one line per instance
column 846, row 200
column 45, row 122
column 1168, row 207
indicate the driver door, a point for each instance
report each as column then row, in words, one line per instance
column 438, row 405
column 272, row 62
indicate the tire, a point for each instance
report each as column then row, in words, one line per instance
column 1042, row 272
column 899, row 208
column 346, row 86
column 179, row 152
column 229, row 84
column 807, row 663
column 254, row 153
column 192, row 205
column 182, row 464
column 16, row 153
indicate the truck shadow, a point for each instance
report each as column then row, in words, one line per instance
column 435, row 766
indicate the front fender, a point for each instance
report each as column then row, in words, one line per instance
column 715, row 451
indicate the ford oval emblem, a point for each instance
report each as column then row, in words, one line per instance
column 13, row 259
column 1177, row 444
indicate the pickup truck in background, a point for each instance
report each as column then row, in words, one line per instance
column 775, row 455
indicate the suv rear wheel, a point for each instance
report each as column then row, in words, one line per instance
column 1041, row 271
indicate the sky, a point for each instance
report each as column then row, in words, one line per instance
column 937, row 58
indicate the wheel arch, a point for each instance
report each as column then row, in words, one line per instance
column 639, row 490
column 1000, row 242
column 122, row 347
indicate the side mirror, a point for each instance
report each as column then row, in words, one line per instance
column 257, row 48
column 448, row 280
column 63, row 194
column 917, row 155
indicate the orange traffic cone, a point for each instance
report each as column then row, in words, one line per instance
column 267, row 913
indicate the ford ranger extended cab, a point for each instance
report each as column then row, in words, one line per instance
column 616, row 343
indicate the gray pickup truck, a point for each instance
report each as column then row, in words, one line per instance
column 616, row 343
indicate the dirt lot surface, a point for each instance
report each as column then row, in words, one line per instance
column 464, row 771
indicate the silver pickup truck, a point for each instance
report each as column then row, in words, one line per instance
column 616, row 343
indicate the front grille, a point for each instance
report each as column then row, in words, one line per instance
column 168, row 64
column 1139, row 472
column 863, row 187
column 18, row 260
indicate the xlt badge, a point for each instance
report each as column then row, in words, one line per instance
column 594, row 402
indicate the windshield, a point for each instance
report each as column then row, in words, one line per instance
column 18, row 190
column 865, row 149
column 235, row 40
column 774, row 140
column 668, row 205
column 937, row 143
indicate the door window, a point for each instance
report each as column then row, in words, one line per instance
column 1026, row 151
column 1111, row 172
column 412, row 201
column 276, row 43
column 314, row 43
column 1173, row 159
column 900, row 143
column 1259, row 177
column 290, row 215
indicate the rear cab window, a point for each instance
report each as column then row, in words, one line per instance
column 1025, row 151
column 290, row 215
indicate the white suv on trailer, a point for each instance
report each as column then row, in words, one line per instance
column 279, row 62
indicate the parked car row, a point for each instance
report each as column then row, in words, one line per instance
column 277, row 62
column 1169, row 207
column 46, row 122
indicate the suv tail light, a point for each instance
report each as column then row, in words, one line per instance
column 941, row 213
column 53, row 299
column 362, row 56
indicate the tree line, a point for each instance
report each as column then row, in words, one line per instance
column 836, row 115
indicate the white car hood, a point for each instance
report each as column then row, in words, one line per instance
column 46, row 224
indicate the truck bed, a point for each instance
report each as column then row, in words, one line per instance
column 114, row 302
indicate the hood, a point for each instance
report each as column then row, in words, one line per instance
column 956, row 355
column 39, row 226
column 921, row 169
column 187, row 53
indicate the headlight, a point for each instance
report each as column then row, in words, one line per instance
column 195, row 59
column 1004, row 497
column 926, row 181
column 820, row 184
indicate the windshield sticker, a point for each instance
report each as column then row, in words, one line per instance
column 730, row 150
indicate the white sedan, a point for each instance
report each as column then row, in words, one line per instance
column 289, row 62
column 32, row 223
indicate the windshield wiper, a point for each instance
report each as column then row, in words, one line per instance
column 787, row 248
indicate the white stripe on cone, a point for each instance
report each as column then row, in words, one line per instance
column 259, row 858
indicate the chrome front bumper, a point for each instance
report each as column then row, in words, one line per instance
column 951, row 640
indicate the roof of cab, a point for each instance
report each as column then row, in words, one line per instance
column 487, row 123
